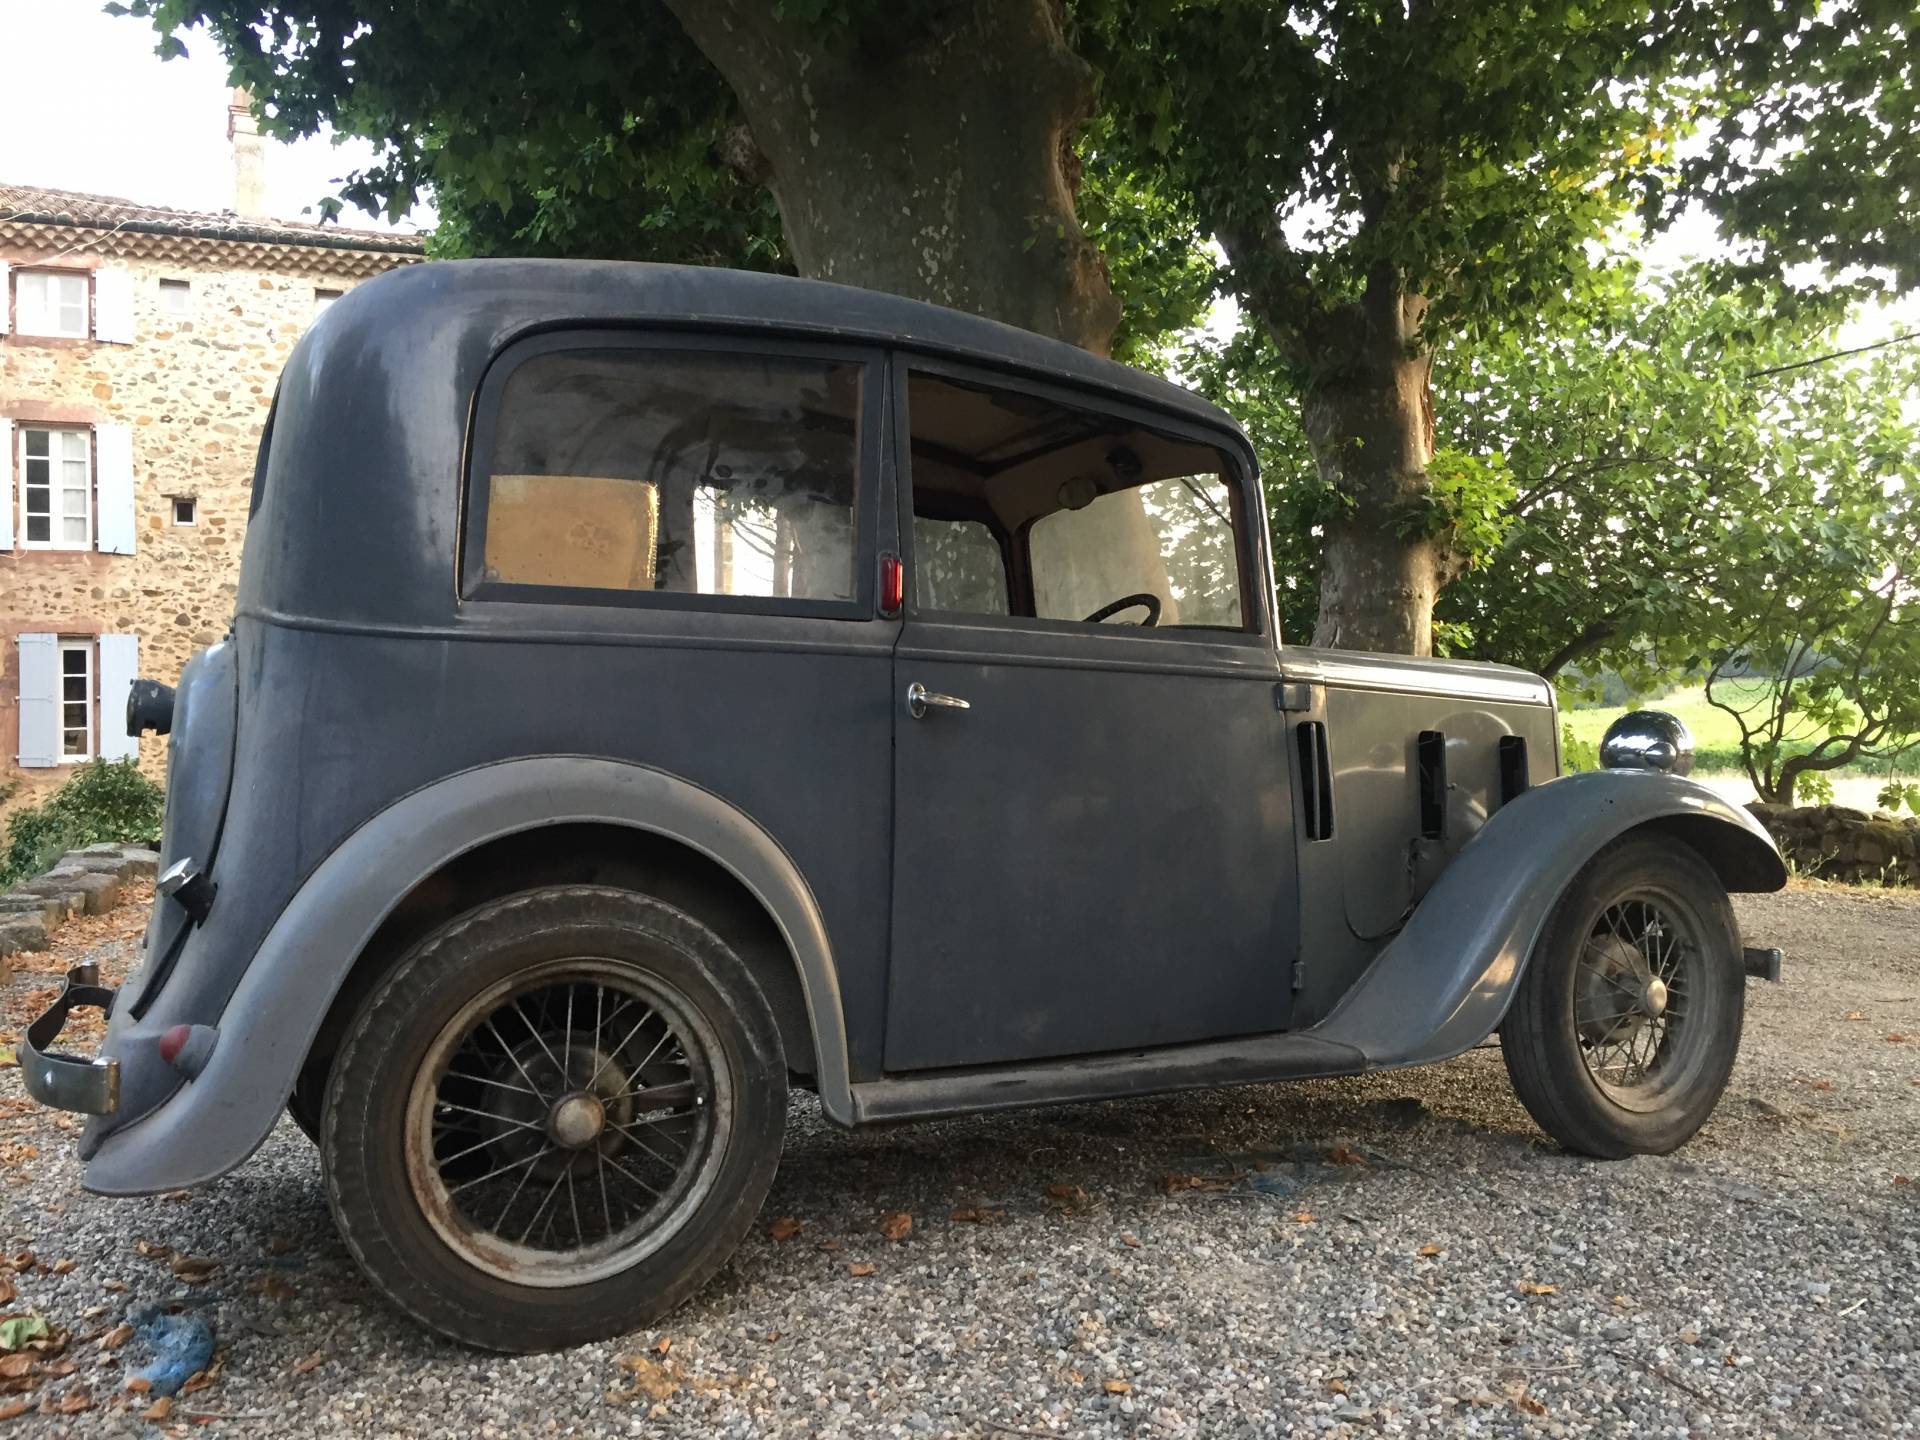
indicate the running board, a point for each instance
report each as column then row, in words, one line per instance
column 1763, row 964
column 1202, row 1066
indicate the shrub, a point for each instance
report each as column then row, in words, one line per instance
column 103, row 800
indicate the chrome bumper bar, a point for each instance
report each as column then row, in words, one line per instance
column 67, row 1082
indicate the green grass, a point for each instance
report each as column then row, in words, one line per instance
column 1716, row 738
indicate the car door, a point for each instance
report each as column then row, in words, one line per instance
column 1093, row 844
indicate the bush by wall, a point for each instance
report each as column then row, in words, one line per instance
column 101, row 801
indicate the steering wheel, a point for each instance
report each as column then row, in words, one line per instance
column 1146, row 600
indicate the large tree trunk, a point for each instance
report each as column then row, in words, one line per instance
column 1369, row 421
column 929, row 157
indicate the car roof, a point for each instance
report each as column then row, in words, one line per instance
column 506, row 296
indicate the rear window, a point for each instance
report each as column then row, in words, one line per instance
column 682, row 472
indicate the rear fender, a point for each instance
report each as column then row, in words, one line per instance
column 214, row 1123
column 1444, row 983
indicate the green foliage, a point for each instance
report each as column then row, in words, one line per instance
column 103, row 800
column 1896, row 794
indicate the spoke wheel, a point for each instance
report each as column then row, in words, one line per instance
column 1624, row 1028
column 1631, row 1000
column 562, row 1120
column 554, row 1118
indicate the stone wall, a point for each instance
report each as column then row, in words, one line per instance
column 195, row 388
column 1834, row 842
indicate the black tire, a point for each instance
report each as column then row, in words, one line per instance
column 419, row 1246
column 1563, row 1044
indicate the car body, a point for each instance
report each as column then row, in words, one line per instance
column 826, row 682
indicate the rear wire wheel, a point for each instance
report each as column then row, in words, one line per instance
column 1626, row 1025
column 555, row 1119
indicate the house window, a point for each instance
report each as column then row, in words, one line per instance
column 176, row 297
column 76, row 700
column 56, row 498
column 323, row 298
column 51, row 302
column 184, row 508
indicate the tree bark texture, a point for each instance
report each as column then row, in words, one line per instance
column 1368, row 417
column 929, row 156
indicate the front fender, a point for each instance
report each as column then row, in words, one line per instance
column 1444, row 982
column 215, row 1122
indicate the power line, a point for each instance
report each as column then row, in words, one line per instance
column 1836, row 355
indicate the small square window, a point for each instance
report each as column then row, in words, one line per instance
column 185, row 510
column 323, row 298
column 176, row 297
column 51, row 302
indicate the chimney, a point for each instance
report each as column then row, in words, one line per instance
column 249, row 158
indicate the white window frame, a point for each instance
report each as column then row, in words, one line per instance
column 34, row 320
column 176, row 297
column 54, row 540
column 85, row 647
column 192, row 502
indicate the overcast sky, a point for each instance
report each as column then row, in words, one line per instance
column 86, row 105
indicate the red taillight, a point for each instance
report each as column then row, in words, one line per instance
column 173, row 1041
column 893, row 584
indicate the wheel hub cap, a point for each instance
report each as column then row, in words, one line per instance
column 1653, row 997
column 577, row 1121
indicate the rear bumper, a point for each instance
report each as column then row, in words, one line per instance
column 67, row 1082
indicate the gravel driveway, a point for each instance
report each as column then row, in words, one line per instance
column 1401, row 1254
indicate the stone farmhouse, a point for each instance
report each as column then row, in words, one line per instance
column 139, row 350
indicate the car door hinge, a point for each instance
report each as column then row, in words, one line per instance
column 1299, row 972
column 1293, row 695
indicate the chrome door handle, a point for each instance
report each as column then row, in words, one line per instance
column 919, row 699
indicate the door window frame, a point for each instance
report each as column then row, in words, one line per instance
column 1249, row 541
column 483, row 429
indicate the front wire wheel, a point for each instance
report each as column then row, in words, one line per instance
column 555, row 1118
column 1625, row 1027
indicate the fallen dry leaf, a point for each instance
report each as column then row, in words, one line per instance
column 73, row 1402
column 1341, row 1155
column 310, row 1364
column 1068, row 1197
column 832, row 1247
column 63, row 1267
column 153, row 1249
column 1172, row 1184
column 1528, row 1404
column 1337, row 1386
column 117, row 1336
column 1854, row 1015
column 1132, row 1242
column 1689, row 1337
column 194, row 1269
column 274, row 1288
column 158, row 1410
column 14, row 1409
column 176, row 1196
column 785, row 1228
column 977, row 1215
column 1731, row 1359
column 1900, row 1180
column 12, row 1367
column 196, row 1382
column 20, row 1260
column 7, row 1289
column 1303, row 1217
column 651, row 1378
column 139, row 1386
column 896, row 1226
column 1076, row 1377
column 1896, row 1039
column 859, row 1268
column 1533, row 1287
column 1117, row 1387
column 1822, row 1084
column 1428, row 1251
column 279, row 1245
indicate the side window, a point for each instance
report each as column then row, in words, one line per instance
column 1093, row 509
column 689, row 472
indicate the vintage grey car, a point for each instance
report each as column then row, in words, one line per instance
column 651, row 690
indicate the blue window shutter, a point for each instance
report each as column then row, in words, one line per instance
column 39, row 701
column 119, row 668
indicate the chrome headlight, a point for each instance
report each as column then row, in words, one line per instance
column 1648, row 740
